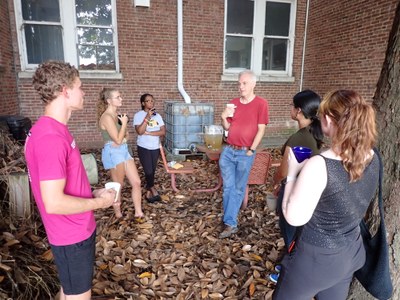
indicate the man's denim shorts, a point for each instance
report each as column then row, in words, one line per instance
column 112, row 155
column 75, row 265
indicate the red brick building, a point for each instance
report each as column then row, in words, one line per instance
column 290, row 44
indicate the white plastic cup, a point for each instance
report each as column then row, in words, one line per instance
column 232, row 107
column 114, row 185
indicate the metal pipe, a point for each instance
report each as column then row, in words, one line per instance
column 304, row 46
column 180, row 52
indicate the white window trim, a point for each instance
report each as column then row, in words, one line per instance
column 260, row 78
column 257, row 43
column 69, row 36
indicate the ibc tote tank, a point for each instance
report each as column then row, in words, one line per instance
column 184, row 123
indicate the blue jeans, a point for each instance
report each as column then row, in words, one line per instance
column 235, row 168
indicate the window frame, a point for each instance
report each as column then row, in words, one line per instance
column 69, row 27
column 257, row 44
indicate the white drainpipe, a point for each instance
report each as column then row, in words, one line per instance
column 304, row 46
column 180, row 53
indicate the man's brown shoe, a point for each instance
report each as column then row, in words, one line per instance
column 228, row 231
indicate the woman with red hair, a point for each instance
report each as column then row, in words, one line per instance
column 329, row 194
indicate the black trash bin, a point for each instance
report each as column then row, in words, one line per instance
column 19, row 127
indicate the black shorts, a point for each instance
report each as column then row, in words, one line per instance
column 75, row 265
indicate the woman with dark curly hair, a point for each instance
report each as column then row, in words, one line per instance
column 149, row 126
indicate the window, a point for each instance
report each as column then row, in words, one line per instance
column 81, row 32
column 259, row 35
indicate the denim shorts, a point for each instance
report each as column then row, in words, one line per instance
column 75, row 265
column 112, row 155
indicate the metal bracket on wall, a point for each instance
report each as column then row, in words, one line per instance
column 143, row 3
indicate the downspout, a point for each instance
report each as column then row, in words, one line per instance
column 180, row 53
column 304, row 46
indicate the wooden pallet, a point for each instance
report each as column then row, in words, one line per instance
column 183, row 155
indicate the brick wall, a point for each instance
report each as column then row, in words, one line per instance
column 346, row 44
column 148, row 60
column 8, row 84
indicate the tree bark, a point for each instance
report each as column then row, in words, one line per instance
column 387, row 105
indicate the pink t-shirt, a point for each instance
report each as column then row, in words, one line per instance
column 51, row 154
column 244, row 123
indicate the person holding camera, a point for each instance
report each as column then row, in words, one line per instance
column 149, row 126
column 115, row 154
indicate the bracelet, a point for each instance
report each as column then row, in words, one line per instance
column 290, row 178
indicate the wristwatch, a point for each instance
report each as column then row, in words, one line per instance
column 252, row 150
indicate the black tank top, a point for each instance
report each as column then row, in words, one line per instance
column 335, row 221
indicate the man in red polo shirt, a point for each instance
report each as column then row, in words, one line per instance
column 245, row 131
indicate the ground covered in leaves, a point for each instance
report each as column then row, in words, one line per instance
column 175, row 254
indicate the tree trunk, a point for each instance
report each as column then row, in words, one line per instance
column 387, row 105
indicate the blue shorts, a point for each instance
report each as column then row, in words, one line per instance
column 75, row 265
column 113, row 155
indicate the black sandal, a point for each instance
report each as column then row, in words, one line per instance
column 153, row 199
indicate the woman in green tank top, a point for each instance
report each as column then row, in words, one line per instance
column 115, row 154
column 304, row 110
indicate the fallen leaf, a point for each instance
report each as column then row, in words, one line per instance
column 256, row 257
column 118, row 269
column 252, row 289
column 216, row 296
column 11, row 243
column 47, row 255
column 181, row 274
column 145, row 274
column 246, row 248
